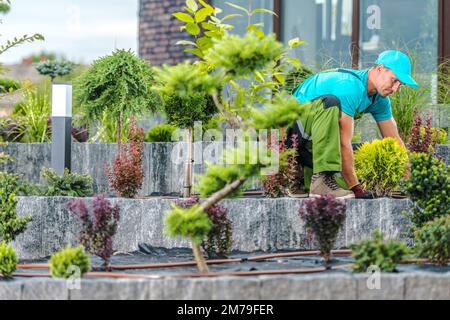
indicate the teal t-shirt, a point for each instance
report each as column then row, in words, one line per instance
column 350, row 90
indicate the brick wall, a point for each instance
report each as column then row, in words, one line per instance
column 159, row 31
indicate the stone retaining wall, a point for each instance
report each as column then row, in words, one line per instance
column 258, row 224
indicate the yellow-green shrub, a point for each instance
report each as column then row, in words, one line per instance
column 380, row 165
column 8, row 260
column 63, row 262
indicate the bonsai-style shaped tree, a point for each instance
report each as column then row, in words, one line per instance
column 119, row 85
column 54, row 69
column 324, row 217
column 259, row 59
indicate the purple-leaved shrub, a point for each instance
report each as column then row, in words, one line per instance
column 98, row 226
column 324, row 217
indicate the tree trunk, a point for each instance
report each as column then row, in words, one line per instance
column 201, row 263
column 119, row 132
column 189, row 161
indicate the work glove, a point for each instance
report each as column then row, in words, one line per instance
column 360, row 193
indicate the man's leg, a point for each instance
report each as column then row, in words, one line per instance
column 326, row 148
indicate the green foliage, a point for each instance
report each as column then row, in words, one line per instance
column 10, row 224
column 438, row 135
column 70, row 184
column 9, row 85
column 239, row 165
column 380, row 165
column 107, row 129
column 185, row 89
column 160, row 133
column 120, row 84
column 33, row 116
column 432, row 241
column 378, row 252
column 55, row 69
column 68, row 262
column 283, row 111
column 8, row 260
column 242, row 56
column 192, row 223
column 429, row 188
column 295, row 78
column 20, row 40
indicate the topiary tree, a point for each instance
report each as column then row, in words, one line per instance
column 186, row 103
column 380, row 165
column 259, row 60
column 54, row 68
column 119, row 84
column 160, row 133
column 66, row 263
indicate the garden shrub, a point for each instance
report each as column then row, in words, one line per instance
column 380, row 165
column 10, row 224
column 432, row 241
column 66, row 263
column 428, row 188
column 70, row 184
column 160, row 133
column 421, row 137
column 119, row 84
column 127, row 173
column 378, row 252
column 219, row 240
column 438, row 135
column 98, row 226
column 9, row 130
column 54, row 68
column 8, row 260
column 324, row 217
column 9, row 85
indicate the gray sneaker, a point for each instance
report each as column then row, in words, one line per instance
column 324, row 183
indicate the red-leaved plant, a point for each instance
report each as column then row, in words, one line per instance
column 324, row 217
column 220, row 238
column 98, row 226
column 127, row 174
column 289, row 174
column 418, row 141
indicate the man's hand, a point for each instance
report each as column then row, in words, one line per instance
column 360, row 193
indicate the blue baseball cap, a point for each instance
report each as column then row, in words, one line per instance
column 400, row 65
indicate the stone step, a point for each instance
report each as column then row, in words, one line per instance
column 258, row 224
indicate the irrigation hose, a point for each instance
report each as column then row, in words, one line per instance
column 193, row 263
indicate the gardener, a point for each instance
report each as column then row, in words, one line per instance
column 325, row 130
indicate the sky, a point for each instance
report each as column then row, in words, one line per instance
column 81, row 30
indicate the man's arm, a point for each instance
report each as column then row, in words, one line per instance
column 388, row 128
column 346, row 123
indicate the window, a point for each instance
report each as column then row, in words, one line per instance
column 326, row 26
column 241, row 23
